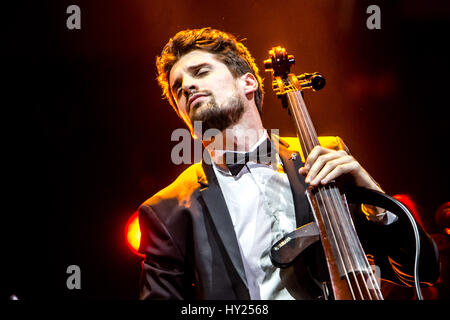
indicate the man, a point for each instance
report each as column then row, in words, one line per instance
column 208, row 234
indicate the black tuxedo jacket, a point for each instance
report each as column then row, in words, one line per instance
column 191, row 250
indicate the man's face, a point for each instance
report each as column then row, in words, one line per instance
column 205, row 90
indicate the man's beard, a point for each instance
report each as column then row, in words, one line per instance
column 213, row 116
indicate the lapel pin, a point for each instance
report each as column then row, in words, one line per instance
column 293, row 156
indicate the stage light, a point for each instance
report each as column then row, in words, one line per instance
column 133, row 234
column 411, row 205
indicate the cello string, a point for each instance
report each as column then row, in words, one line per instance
column 349, row 259
column 324, row 212
column 338, row 200
column 313, row 137
column 358, row 255
column 334, row 203
column 350, row 239
column 299, row 119
column 311, row 133
column 337, row 246
column 330, row 198
column 305, row 115
column 363, row 258
column 371, row 279
column 302, row 125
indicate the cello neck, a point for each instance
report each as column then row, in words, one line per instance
column 303, row 124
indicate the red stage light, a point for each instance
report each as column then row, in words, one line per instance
column 133, row 234
column 412, row 207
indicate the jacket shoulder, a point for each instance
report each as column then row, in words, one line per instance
column 330, row 142
column 181, row 189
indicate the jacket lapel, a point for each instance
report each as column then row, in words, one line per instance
column 291, row 163
column 218, row 210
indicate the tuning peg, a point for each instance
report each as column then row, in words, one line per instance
column 317, row 82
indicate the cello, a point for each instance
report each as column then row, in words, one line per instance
column 351, row 275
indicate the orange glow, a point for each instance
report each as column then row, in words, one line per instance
column 406, row 279
column 133, row 234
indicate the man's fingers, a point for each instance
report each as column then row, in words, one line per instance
column 313, row 155
column 340, row 170
column 303, row 171
column 327, row 168
column 324, row 165
column 321, row 161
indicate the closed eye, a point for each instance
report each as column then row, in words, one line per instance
column 198, row 71
column 202, row 72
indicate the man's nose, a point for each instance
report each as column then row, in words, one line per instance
column 189, row 87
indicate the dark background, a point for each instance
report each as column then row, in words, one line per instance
column 86, row 135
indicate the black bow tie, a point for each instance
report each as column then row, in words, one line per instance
column 235, row 161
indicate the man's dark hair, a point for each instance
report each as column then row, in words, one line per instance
column 224, row 46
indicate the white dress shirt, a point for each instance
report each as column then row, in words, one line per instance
column 260, row 203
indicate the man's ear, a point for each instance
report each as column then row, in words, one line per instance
column 249, row 83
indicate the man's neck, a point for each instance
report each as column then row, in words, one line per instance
column 240, row 137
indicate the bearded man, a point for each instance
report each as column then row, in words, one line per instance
column 208, row 234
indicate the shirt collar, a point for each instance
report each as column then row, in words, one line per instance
column 223, row 168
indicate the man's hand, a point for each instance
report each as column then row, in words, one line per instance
column 324, row 165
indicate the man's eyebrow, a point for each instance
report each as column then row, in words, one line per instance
column 198, row 66
column 191, row 69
